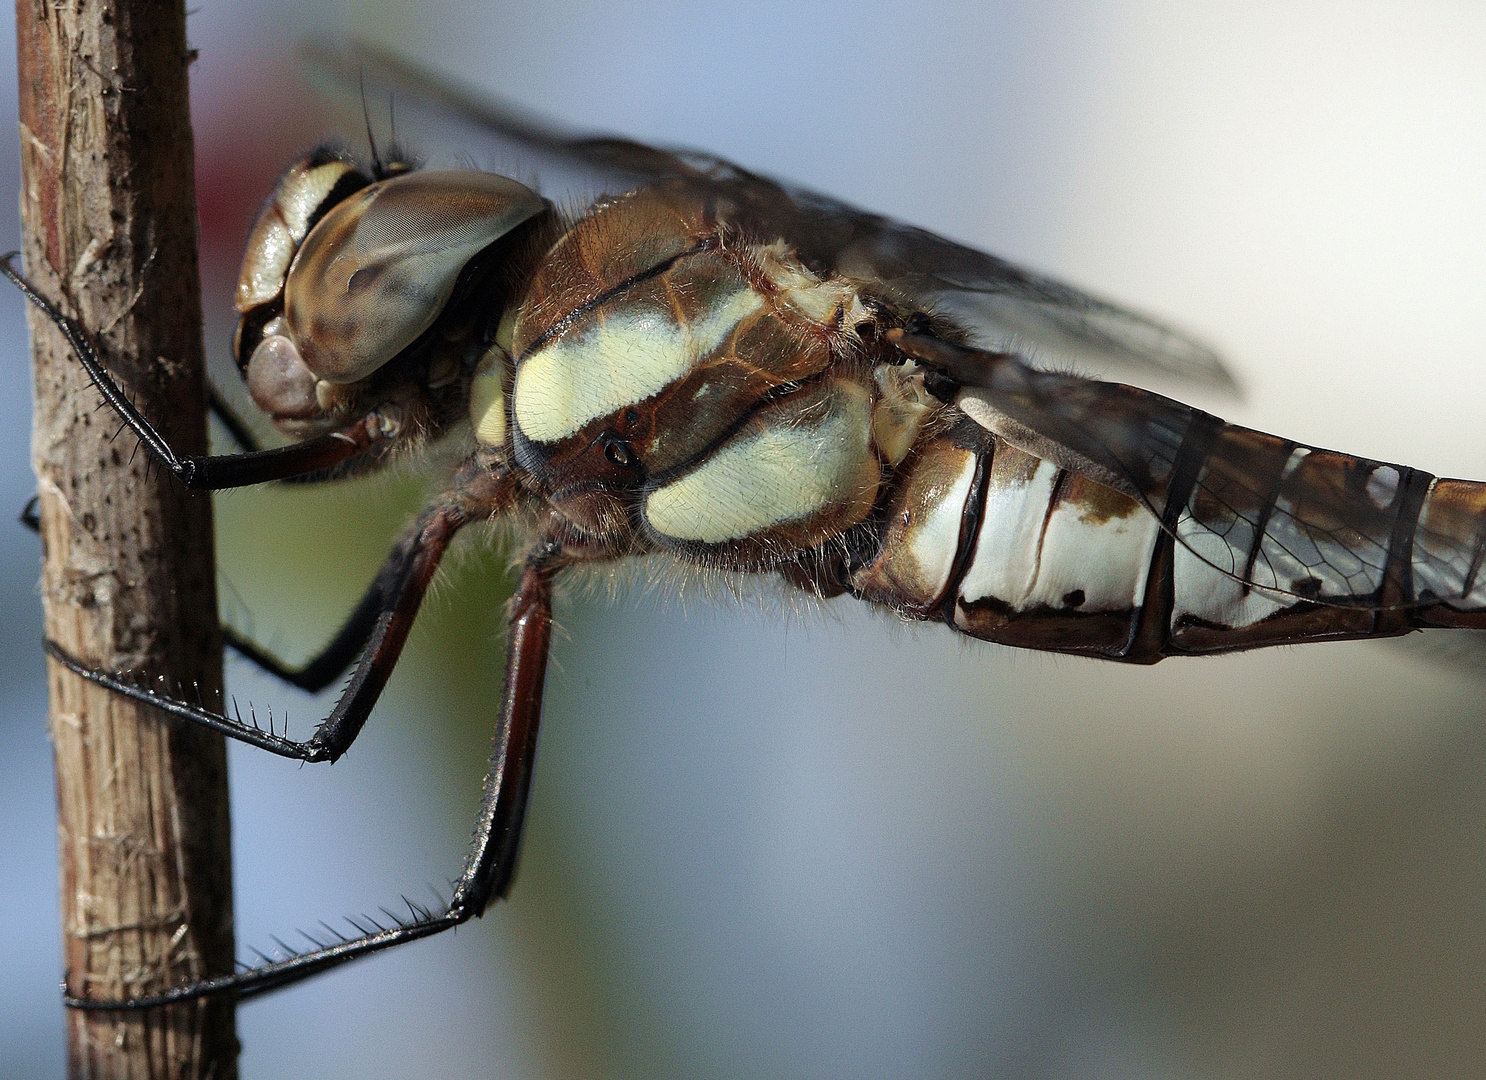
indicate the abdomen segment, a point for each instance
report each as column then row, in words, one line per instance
column 1249, row 540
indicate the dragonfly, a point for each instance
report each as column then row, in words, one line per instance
column 746, row 377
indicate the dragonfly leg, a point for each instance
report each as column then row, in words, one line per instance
column 380, row 624
column 320, row 670
column 238, row 430
column 351, row 639
column 491, row 863
column 240, row 433
column 308, row 459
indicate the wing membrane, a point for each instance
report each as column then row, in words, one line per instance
column 1002, row 305
column 1280, row 522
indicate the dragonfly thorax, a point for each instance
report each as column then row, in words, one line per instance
column 714, row 388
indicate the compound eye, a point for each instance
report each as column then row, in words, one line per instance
column 378, row 269
column 285, row 221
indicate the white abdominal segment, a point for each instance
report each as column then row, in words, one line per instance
column 1107, row 560
column 1005, row 562
column 936, row 541
column 1029, row 556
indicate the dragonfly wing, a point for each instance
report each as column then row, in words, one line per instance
column 1274, row 518
column 1002, row 306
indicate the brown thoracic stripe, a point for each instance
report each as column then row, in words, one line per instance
column 570, row 317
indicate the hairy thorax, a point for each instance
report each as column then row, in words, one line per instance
column 677, row 387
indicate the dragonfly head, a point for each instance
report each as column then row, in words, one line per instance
column 343, row 273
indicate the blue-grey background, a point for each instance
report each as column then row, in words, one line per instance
column 769, row 844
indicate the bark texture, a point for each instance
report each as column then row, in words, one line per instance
column 109, row 218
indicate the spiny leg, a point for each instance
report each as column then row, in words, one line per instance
column 491, row 863
column 390, row 607
column 214, row 472
column 321, row 669
column 240, row 433
column 248, row 442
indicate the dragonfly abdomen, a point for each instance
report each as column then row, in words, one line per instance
column 1008, row 547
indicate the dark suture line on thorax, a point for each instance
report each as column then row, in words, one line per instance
column 771, row 396
column 707, row 244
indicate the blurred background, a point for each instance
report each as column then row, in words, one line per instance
column 766, row 845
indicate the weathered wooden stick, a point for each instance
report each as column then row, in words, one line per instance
column 109, row 218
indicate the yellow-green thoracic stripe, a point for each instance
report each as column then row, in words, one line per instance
column 785, row 470
column 623, row 358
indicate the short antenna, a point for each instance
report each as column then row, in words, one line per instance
column 378, row 169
